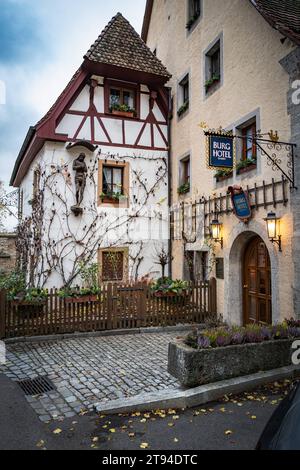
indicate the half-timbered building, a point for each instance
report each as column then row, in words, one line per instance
column 93, row 172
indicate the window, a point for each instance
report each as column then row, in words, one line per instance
column 201, row 265
column 184, row 175
column 183, row 95
column 213, row 67
column 249, row 147
column 112, row 265
column 121, row 99
column 113, row 182
column 194, row 12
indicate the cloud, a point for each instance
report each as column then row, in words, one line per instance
column 44, row 43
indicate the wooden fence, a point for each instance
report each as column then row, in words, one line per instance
column 118, row 306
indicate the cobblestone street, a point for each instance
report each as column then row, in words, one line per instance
column 86, row 371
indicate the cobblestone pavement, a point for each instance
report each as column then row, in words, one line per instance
column 86, row 371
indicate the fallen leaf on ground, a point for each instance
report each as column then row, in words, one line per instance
column 144, row 445
column 175, row 439
column 253, row 417
column 131, row 434
column 228, row 432
column 41, row 443
column 112, row 430
column 57, row 431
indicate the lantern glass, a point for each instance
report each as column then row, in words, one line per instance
column 272, row 226
column 216, row 229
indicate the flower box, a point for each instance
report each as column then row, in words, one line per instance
column 81, row 299
column 25, row 307
column 193, row 367
column 224, row 177
column 129, row 114
column 171, row 294
column 246, row 169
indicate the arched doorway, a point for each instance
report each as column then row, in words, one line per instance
column 257, row 290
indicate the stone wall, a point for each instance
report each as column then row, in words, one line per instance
column 8, row 252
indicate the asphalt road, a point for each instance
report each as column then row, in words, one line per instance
column 232, row 423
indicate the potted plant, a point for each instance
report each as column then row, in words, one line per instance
column 223, row 174
column 211, row 82
column 89, row 292
column 183, row 108
column 183, row 188
column 166, row 287
column 112, row 197
column 246, row 165
column 123, row 110
column 192, row 20
column 75, row 295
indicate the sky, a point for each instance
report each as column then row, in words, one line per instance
column 42, row 45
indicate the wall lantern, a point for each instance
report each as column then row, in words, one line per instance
column 215, row 230
column 273, row 226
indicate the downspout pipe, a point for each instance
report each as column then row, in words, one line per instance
column 170, row 179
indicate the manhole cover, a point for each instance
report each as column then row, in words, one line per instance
column 36, row 386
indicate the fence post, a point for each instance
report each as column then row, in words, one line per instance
column 212, row 296
column 2, row 313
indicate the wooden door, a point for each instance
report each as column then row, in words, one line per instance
column 257, row 283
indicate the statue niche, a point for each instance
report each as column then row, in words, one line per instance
column 80, row 168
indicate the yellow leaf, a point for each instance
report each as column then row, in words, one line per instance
column 144, row 445
column 253, row 417
column 228, row 432
column 131, row 434
column 57, row 431
column 112, row 430
column 175, row 439
column 95, row 439
column 41, row 443
column 170, row 424
column 143, row 420
column 175, row 417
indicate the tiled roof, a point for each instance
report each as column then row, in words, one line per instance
column 120, row 45
column 283, row 15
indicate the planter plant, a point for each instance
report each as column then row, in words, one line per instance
column 192, row 20
column 183, row 189
column 245, row 165
column 122, row 110
column 90, row 291
column 216, row 354
column 223, row 174
column 112, row 197
column 211, row 82
column 183, row 108
column 166, row 287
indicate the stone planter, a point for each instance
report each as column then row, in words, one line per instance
column 193, row 367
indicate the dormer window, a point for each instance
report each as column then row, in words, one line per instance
column 122, row 101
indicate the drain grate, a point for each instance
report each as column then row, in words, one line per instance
column 36, row 386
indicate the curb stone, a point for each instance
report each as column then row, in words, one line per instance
column 188, row 398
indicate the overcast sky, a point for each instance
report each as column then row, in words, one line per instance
column 42, row 45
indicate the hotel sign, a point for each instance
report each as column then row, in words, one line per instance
column 220, row 150
column 240, row 203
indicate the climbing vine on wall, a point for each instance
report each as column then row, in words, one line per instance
column 53, row 240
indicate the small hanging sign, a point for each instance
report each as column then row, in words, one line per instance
column 220, row 149
column 240, row 203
